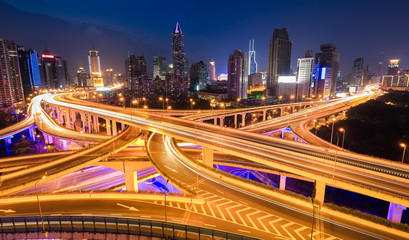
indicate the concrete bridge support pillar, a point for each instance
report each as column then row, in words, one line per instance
column 283, row 180
column 221, row 121
column 395, row 212
column 207, row 156
column 235, row 120
column 131, row 180
column 64, row 144
column 114, row 128
column 108, row 126
column 215, row 121
column 122, row 126
column 8, row 142
column 58, row 116
column 96, row 123
column 243, row 120
column 319, row 192
column 83, row 121
column 90, row 130
column 264, row 115
column 31, row 133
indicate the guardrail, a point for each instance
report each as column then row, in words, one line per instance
column 129, row 226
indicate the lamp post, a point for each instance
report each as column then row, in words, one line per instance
column 167, row 103
column 332, row 131
column 404, row 150
column 163, row 103
column 38, row 202
column 315, row 126
column 238, row 101
column 263, row 100
column 279, row 99
column 343, row 136
column 123, row 102
column 166, row 215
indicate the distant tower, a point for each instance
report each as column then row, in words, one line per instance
column 252, row 58
column 178, row 53
column 237, row 75
column 326, row 75
column 95, row 68
column 159, row 67
column 198, row 76
column 212, row 71
column 279, row 59
column 380, row 64
column 82, row 77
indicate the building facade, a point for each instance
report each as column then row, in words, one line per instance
column 198, row 76
column 53, row 71
column 237, row 75
column 279, row 59
column 159, row 67
column 95, row 68
column 178, row 53
column 305, row 67
column 325, row 72
column 82, row 77
column 30, row 72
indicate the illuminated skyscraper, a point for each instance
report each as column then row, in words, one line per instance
column 178, row 53
column 95, row 68
column 279, row 59
column 237, row 75
column 53, row 71
column 159, row 67
column 82, row 77
column 30, row 72
column 109, row 77
column 393, row 67
column 357, row 72
column 252, row 58
column 11, row 87
column 325, row 72
column 198, row 76
column 305, row 67
column 212, row 71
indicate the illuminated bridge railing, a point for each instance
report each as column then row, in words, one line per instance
column 112, row 225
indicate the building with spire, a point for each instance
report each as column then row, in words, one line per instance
column 178, row 53
column 252, row 58
column 279, row 59
column 212, row 70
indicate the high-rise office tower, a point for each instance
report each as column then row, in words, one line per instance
column 82, row 77
column 30, row 72
column 53, row 70
column 178, row 53
column 95, row 68
column 198, row 76
column 159, row 67
column 252, row 58
column 237, row 75
column 357, row 73
column 11, row 86
column 212, row 71
column 393, row 67
column 325, row 72
column 279, row 59
column 135, row 67
column 305, row 67
column 109, row 77
column 186, row 66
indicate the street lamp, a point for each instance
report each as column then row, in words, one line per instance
column 404, row 150
column 223, row 106
column 136, row 102
column 279, row 99
column 238, row 101
column 38, row 202
column 315, row 126
column 166, row 215
column 332, row 131
column 343, row 136
column 163, row 103
column 122, row 101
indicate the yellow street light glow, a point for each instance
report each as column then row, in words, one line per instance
column 161, row 98
column 341, row 129
column 145, row 106
column 403, row 145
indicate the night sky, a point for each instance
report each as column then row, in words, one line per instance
column 212, row 29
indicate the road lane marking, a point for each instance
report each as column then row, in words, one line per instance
column 131, row 208
column 171, row 169
column 143, row 216
column 220, row 191
column 240, row 230
column 209, row 225
column 116, row 214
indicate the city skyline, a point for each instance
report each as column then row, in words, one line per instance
column 155, row 39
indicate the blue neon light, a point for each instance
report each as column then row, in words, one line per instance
column 323, row 71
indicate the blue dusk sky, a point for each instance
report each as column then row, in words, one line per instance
column 212, row 29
